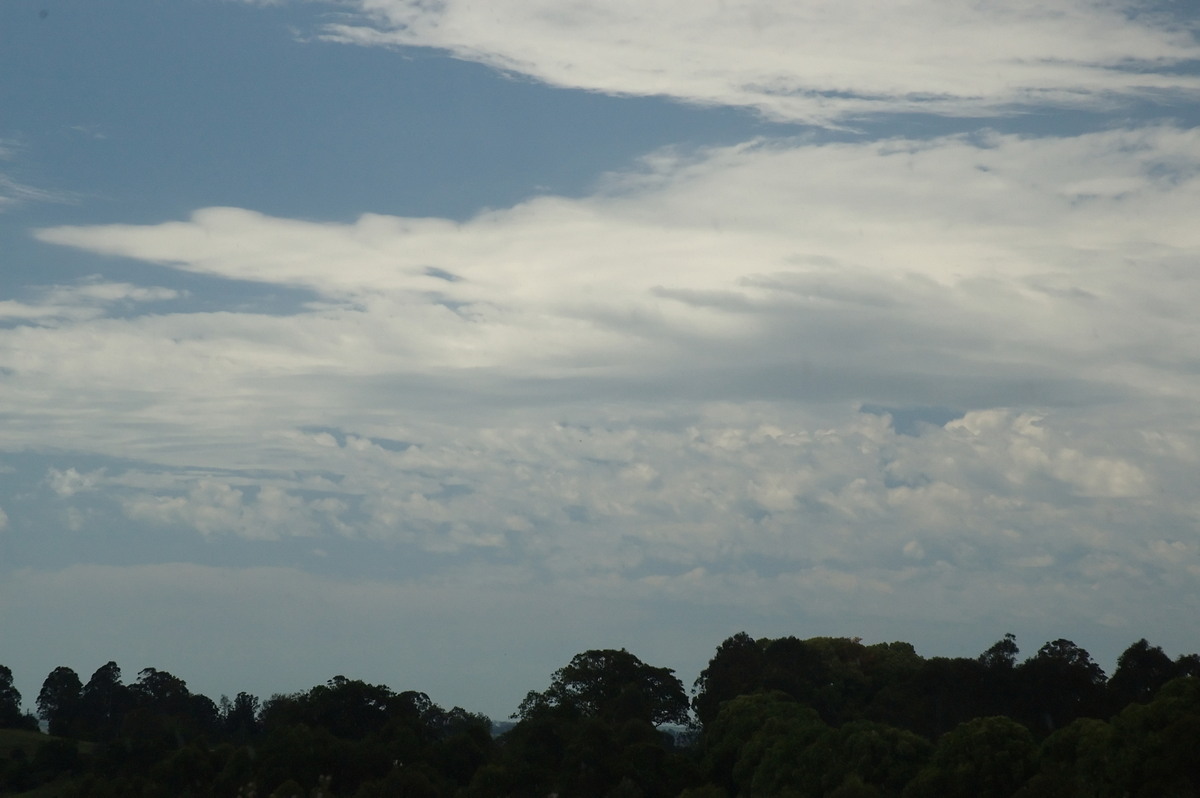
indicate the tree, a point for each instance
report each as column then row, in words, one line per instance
column 1002, row 655
column 615, row 686
column 999, row 693
column 160, row 691
column 1061, row 683
column 593, row 732
column 983, row 758
column 239, row 718
column 58, row 702
column 463, row 743
column 1141, row 671
column 1188, row 665
column 879, row 755
column 1156, row 743
column 1076, row 761
column 758, row 737
column 163, row 705
column 951, row 691
column 11, row 716
column 104, row 702
column 347, row 708
column 736, row 669
column 796, row 668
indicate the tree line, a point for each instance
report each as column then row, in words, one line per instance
column 815, row 718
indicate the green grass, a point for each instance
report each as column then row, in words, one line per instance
column 27, row 741
column 30, row 741
column 12, row 740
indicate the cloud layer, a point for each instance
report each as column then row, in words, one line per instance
column 679, row 388
column 882, row 386
column 812, row 62
column 896, row 272
column 933, row 388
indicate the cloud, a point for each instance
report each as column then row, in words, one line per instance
column 69, row 482
column 88, row 299
column 811, row 61
column 678, row 387
column 763, row 500
column 264, row 512
column 883, row 271
column 13, row 192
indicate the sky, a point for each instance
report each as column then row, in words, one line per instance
column 432, row 342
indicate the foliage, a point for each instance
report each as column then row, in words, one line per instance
column 60, row 700
column 762, row 730
column 736, row 669
column 1002, row 655
column 983, row 758
column 103, row 703
column 786, row 717
column 593, row 731
column 1060, row 683
column 11, row 716
column 1141, row 670
column 613, row 685
column 238, row 719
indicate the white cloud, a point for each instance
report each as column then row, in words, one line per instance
column 883, row 260
column 810, row 61
column 653, row 391
column 88, row 299
column 730, row 487
column 670, row 394
column 267, row 512
column 69, row 482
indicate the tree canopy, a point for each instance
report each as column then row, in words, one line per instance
column 614, row 685
column 822, row 717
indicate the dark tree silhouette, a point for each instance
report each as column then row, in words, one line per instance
column 736, row 669
column 1002, row 656
column 161, row 691
column 58, row 702
column 952, row 691
column 1060, row 683
column 615, row 686
column 239, row 718
column 11, row 716
column 819, row 717
column 593, row 732
column 1141, row 670
column 104, row 702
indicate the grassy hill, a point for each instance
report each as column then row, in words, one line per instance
column 20, row 744
column 18, row 739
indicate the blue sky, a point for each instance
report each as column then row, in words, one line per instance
column 432, row 343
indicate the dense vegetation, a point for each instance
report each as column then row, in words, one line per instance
column 824, row 717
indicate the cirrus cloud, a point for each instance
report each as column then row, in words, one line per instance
column 812, row 62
